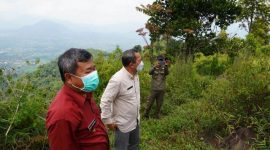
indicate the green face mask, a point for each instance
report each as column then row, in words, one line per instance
column 90, row 82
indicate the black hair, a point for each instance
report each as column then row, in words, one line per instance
column 67, row 62
column 160, row 57
column 129, row 57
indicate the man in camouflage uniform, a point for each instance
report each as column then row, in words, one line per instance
column 158, row 73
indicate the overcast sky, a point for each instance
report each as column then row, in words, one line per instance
column 94, row 12
column 100, row 13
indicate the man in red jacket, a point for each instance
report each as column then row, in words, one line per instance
column 73, row 120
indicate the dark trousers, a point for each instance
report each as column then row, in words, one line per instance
column 157, row 96
column 127, row 141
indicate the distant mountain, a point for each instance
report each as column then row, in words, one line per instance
column 46, row 39
column 46, row 34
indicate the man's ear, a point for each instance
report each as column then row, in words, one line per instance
column 68, row 78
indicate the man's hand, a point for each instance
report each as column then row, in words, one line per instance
column 112, row 126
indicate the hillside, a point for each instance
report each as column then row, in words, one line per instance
column 199, row 110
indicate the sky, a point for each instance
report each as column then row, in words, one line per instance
column 92, row 12
column 97, row 13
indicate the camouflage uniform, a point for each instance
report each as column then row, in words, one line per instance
column 157, row 88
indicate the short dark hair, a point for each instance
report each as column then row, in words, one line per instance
column 67, row 62
column 160, row 57
column 129, row 57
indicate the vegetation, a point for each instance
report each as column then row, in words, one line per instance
column 191, row 21
column 218, row 97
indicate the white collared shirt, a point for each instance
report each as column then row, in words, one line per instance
column 120, row 102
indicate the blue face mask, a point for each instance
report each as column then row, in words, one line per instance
column 90, row 82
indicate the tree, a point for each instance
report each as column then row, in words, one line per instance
column 254, row 10
column 260, row 29
column 191, row 21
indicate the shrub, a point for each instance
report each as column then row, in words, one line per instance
column 184, row 128
column 243, row 94
column 265, row 49
column 213, row 65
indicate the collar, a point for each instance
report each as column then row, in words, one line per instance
column 128, row 74
column 78, row 97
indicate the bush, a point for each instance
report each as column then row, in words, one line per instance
column 265, row 49
column 243, row 94
column 213, row 65
column 184, row 128
column 251, row 44
column 184, row 84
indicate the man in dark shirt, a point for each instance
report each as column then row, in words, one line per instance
column 73, row 120
column 158, row 73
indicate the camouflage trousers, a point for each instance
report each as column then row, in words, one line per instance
column 156, row 95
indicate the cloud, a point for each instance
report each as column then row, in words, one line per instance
column 96, row 12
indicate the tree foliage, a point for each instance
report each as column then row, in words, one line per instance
column 190, row 21
column 254, row 10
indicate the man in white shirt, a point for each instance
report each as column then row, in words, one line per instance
column 120, row 102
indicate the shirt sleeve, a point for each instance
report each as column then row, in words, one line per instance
column 107, row 99
column 61, row 136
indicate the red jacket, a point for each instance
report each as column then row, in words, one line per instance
column 73, row 122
